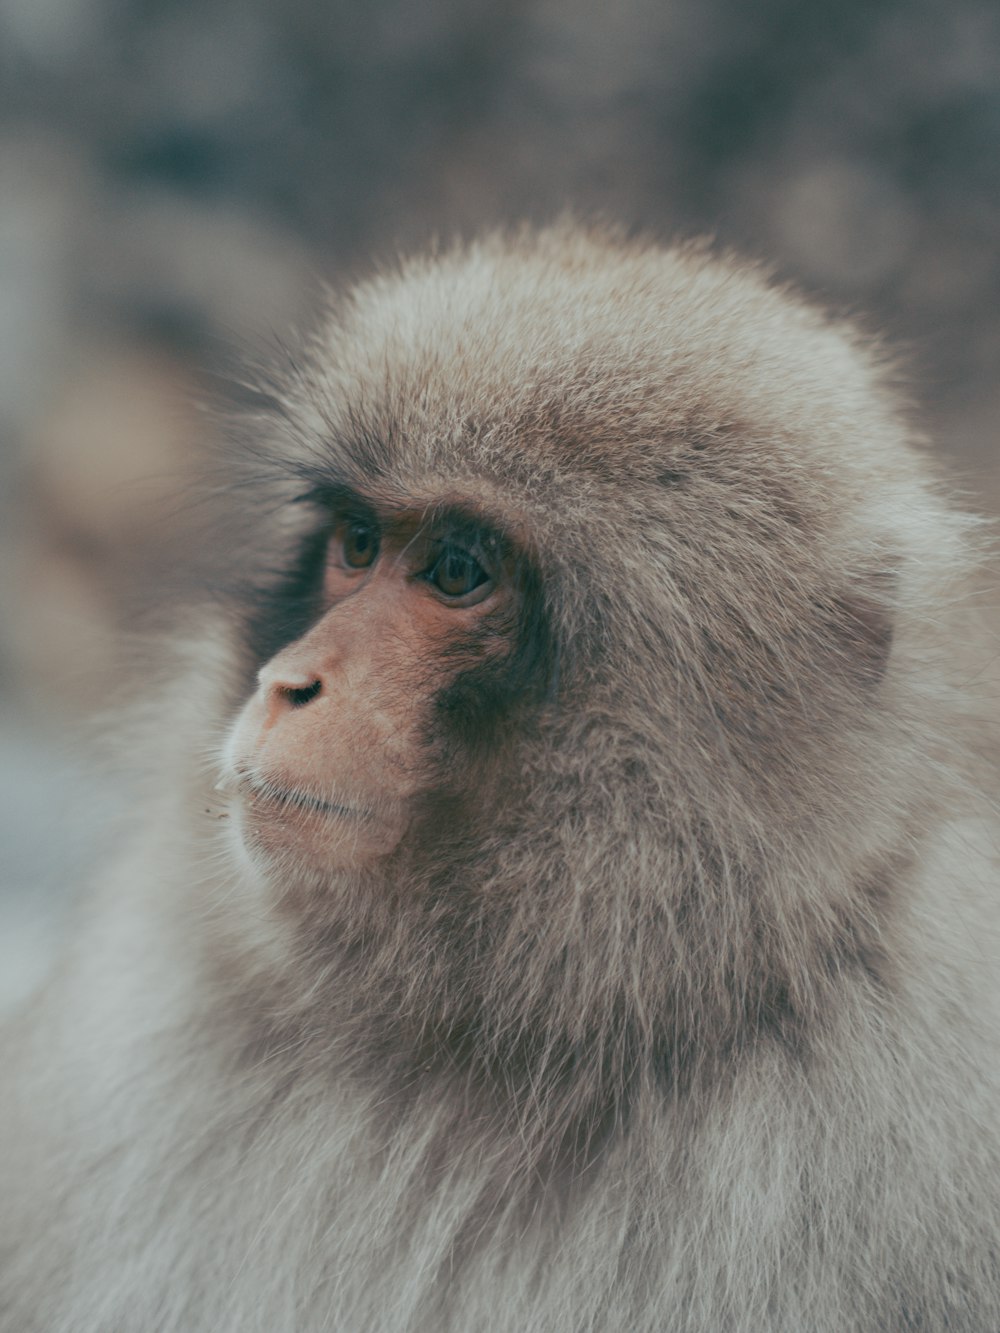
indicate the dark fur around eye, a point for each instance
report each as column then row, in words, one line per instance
column 482, row 699
column 282, row 613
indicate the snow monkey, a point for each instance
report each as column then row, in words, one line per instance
column 561, row 900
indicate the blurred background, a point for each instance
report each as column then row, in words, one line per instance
column 174, row 176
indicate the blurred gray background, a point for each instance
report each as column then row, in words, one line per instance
column 174, row 176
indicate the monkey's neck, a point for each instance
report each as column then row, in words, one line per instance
column 557, row 1070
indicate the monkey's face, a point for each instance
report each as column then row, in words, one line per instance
column 342, row 737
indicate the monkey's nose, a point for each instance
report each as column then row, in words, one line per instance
column 287, row 691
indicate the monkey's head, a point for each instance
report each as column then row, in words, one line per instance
column 590, row 713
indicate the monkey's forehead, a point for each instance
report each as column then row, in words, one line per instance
column 584, row 355
column 548, row 365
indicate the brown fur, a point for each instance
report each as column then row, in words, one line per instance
column 678, row 1006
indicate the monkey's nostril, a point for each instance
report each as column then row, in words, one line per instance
column 298, row 698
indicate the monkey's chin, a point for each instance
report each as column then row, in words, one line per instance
column 285, row 826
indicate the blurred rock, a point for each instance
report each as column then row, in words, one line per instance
column 844, row 224
column 101, row 527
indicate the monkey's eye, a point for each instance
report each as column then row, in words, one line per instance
column 358, row 543
column 458, row 575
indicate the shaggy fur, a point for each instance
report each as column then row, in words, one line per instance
column 689, row 1020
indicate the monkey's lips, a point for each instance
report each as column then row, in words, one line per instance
column 261, row 793
column 279, row 819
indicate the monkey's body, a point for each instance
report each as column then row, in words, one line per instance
column 688, row 1017
column 289, row 1190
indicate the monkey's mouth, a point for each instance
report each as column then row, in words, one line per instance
column 280, row 821
column 265, row 792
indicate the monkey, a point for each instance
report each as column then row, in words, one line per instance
column 564, row 893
